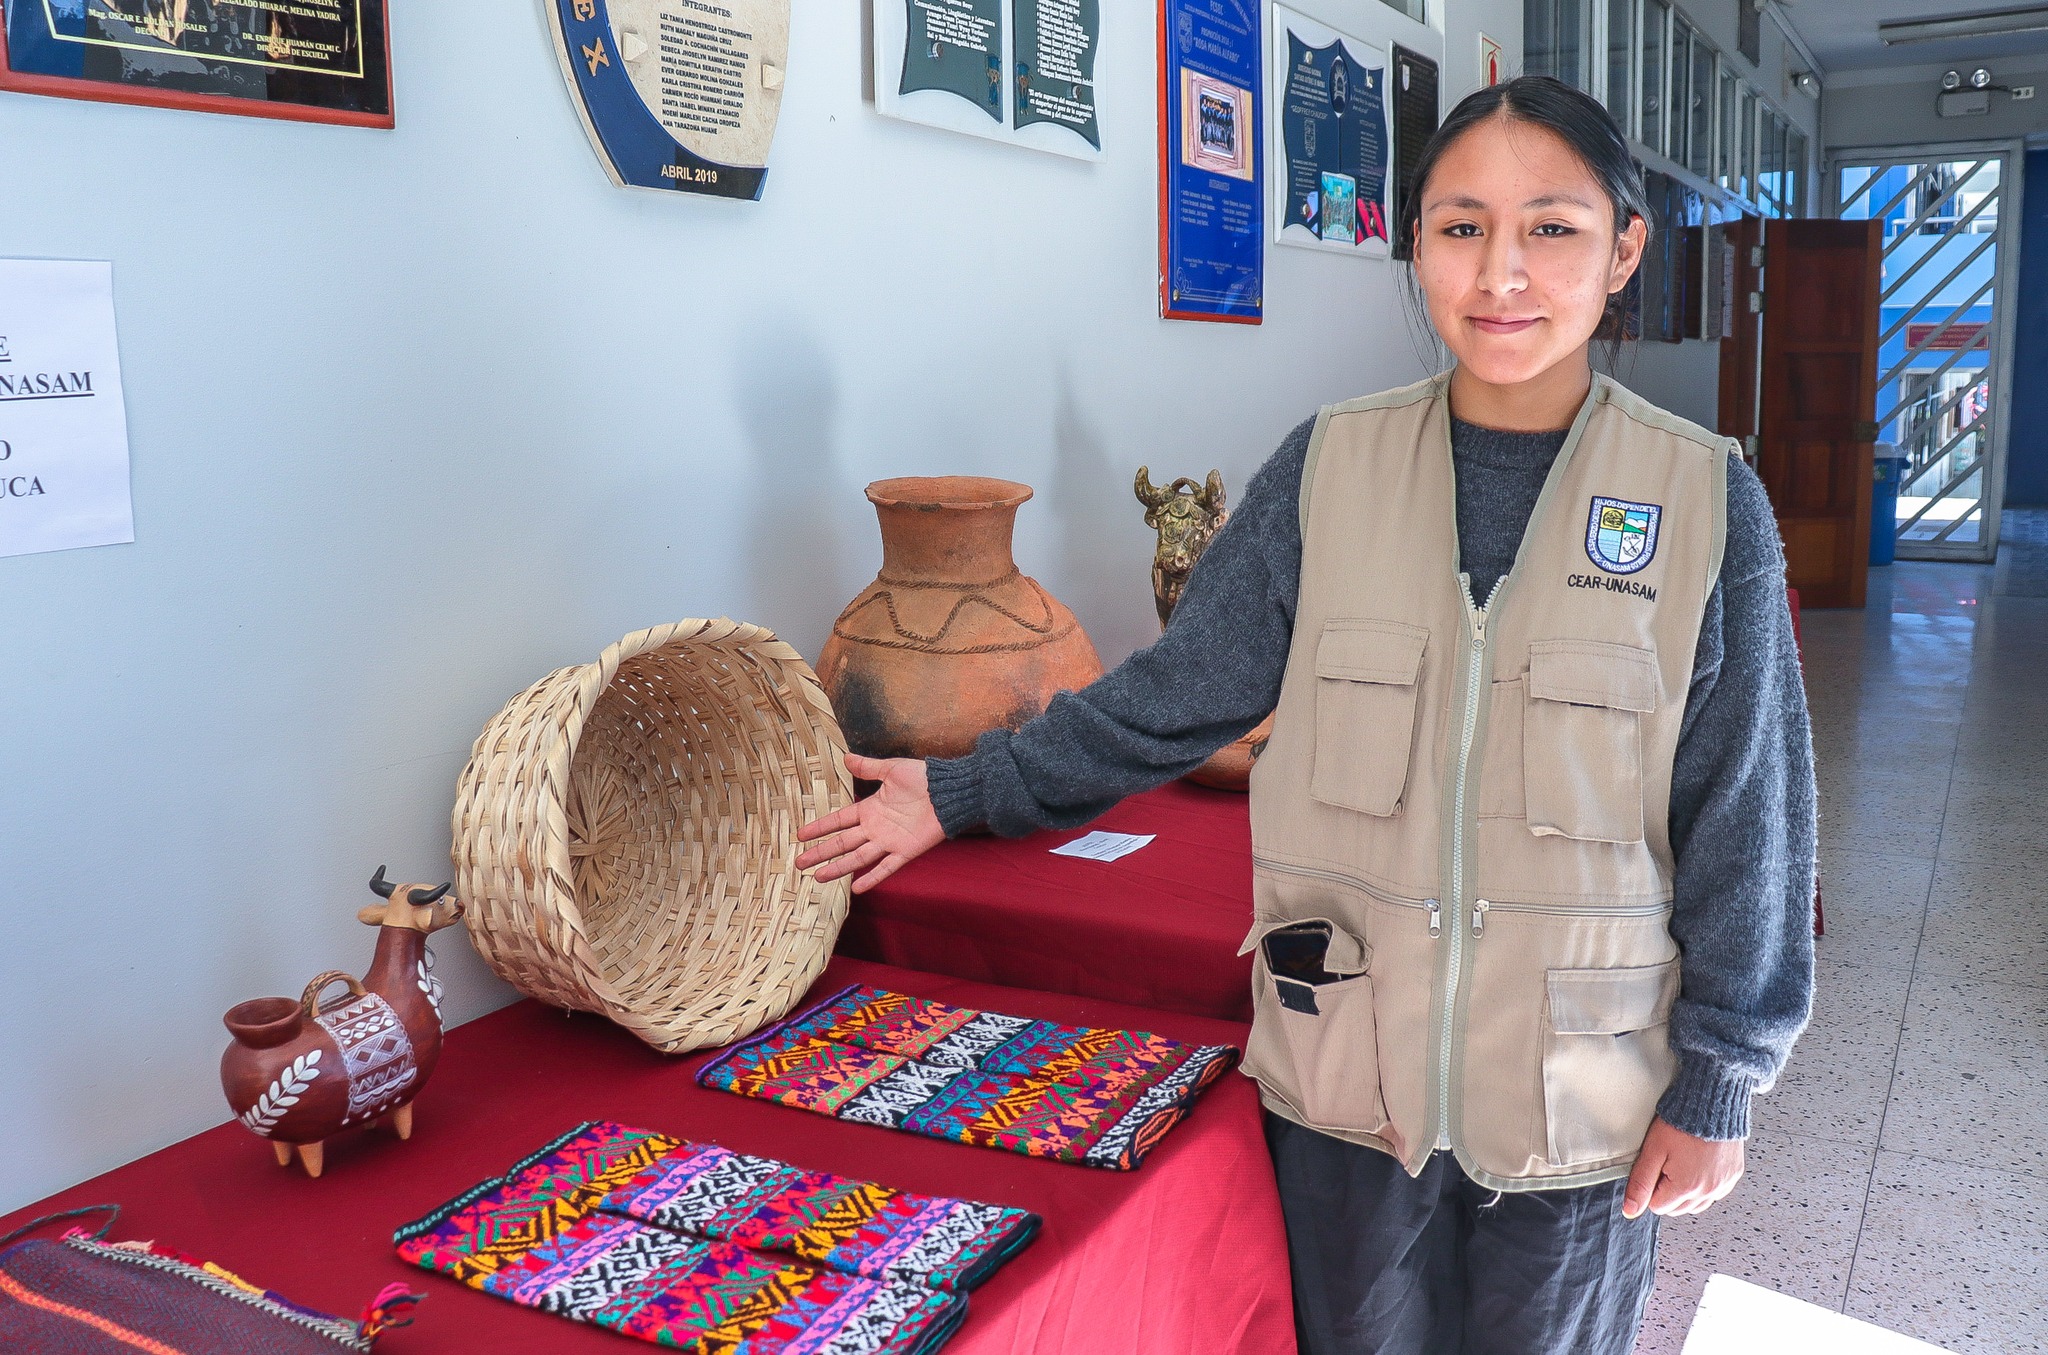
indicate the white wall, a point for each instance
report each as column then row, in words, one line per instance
column 1896, row 107
column 418, row 416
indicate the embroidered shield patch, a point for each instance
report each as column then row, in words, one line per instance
column 1622, row 536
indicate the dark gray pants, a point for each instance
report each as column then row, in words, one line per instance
column 1388, row 1264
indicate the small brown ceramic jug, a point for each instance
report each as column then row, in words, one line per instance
column 299, row 1072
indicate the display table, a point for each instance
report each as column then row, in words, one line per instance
column 1159, row 928
column 1186, row 1253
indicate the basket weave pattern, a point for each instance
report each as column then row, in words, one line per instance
column 625, row 834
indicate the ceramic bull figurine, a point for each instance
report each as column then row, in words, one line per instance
column 299, row 1072
column 1186, row 515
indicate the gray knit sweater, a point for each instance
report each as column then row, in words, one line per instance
column 1742, row 795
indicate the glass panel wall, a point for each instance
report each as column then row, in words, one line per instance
column 1678, row 106
column 1724, row 172
column 1656, row 48
column 1770, row 166
column 1554, row 39
column 1621, row 50
column 1795, row 173
column 1700, row 159
column 1745, row 145
column 1677, row 94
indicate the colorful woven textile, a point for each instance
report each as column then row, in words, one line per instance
column 854, row 1226
column 1099, row 1097
column 79, row 1296
column 644, row 1234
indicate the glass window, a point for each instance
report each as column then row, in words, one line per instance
column 1554, row 39
column 1656, row 45
column 1411, row 8
column 1678, row 106
column 1539, row 37
column 1621, row 48
column 1731, row 145
column 1701, row 158
column 1745, row 146
column 1795, row 173
column 1781, row 138
column 1769, row 162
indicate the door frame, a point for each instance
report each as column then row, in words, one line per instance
column 2005, row 298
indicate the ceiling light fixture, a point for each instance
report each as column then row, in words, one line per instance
column 1999, row 23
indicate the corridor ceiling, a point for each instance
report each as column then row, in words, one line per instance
column 1843, row 33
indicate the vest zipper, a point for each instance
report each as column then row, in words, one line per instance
column 1432, row 906
column 1475, row 669
column 1481, row 907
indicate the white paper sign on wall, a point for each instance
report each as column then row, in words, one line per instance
column 63, row 426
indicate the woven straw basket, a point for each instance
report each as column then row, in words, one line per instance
column 625, row 834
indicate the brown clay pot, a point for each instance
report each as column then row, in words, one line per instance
column 1230, row 767
column 950, row 639
column 301, row 1071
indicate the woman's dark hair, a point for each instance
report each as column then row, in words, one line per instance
column 1577, row 119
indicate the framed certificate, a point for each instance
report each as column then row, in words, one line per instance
column 306, row 60
column 1330, row 145
column 1212, row 239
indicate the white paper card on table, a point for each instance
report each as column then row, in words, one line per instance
column 1105, row 846
column 63, row 424
column 1738, row 1318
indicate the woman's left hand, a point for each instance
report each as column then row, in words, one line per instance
column 1679, row 1174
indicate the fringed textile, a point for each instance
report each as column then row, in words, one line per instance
column 1102, row 1098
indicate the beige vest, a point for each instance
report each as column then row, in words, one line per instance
column 1471, row 803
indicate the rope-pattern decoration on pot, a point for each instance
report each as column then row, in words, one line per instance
column 625, row 834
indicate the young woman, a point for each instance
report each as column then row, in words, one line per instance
column 1534, row 837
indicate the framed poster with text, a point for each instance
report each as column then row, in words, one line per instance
column 1212, row 220
column 1331, row 151
column 1016, row 71
column 305, row 60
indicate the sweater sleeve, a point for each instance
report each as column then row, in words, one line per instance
column 1743, row 838
column 1210, row 678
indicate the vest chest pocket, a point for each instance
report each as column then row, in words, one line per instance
column 1367, row 674
column 1606, row 1059
column 1582, row 738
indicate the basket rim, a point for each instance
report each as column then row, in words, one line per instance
column 563, row 956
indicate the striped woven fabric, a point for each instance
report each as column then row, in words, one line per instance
column 854, row 1226
column 694, row 1246
column 1103, row 1098
column 80, row 1296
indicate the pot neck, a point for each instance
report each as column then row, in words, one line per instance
column 951, row 543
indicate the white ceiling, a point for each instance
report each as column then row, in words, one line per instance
column 1843, row 33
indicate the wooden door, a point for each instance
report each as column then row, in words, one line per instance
column 1744, row 306
column 1815, row 426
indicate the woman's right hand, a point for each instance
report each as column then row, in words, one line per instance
column 879, row 835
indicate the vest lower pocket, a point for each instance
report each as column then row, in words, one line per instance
column 1582, row 740
column 1606, row 1059
column 1313, row 1037
column 1366, row 686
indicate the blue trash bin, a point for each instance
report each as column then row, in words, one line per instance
column 1884, row 505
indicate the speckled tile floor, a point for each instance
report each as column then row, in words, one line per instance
column 1899, row 1172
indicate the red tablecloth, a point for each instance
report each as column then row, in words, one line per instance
column 1186, row 1253
column 1159, row 928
